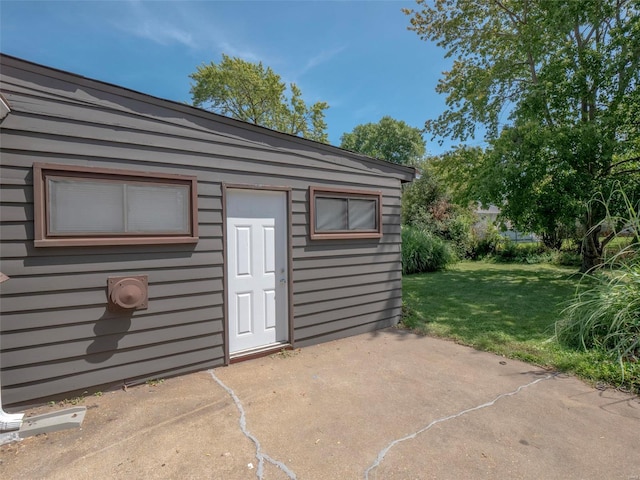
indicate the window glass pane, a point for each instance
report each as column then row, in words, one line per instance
column 362, row 214
column 331, row 214
column 85, row 206
column 157, row 208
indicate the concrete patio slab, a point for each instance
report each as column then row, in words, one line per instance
column 388, row 405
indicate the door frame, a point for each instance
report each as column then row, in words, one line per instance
column 225, row 285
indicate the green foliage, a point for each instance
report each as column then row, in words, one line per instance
column 605, row 312
column 459, row 231
column 252, row 93
column 485, row 240
column 427, row 206
column 566, row 258
column 512, row 252
column 509, row 309
column 555, row 86
column 424, row 252
column 621, row 217
column 461, row 170
column 508, row 251
column 389, row 139
column 424, row 201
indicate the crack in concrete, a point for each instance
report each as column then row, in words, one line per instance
column 385, row 450
column 143, row 432
column 260, row 456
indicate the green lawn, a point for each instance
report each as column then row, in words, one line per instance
column 509, row 309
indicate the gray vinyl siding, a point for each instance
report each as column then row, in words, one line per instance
column 57, row 335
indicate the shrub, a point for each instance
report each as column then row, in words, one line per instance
column 533, row 253
column 422, row 251
column 427, row 206
column 509, row 251
column 460, row 234
column 567, row 259
column 485, row 241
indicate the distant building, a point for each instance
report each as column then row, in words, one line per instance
column 489, row 216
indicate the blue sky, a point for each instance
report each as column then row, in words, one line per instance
column 357, row 56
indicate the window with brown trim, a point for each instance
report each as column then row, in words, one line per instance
column 344, row 214
column 98, row 206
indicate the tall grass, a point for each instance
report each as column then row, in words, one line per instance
column 604, row 314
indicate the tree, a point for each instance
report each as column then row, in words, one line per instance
column 389, row 139
column 459, row 169
column 252, row 93
column 473, row 176
column 427, row 205
column 564, row 77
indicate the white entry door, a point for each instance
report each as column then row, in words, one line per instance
column 257, row 269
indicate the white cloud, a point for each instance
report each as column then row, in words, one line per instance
column 182, row 23
column 294, row 75
column 235, row 51
column 196, row 26
column 206, row 32
column 146, row 23
column 322, row 57
column 162, row 33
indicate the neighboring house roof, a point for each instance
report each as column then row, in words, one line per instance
column 330, row 153
column 492, row 210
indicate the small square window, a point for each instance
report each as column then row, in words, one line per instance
column 84, row 206
column 345, row 214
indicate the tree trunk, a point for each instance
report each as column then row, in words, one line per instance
column 552, row 240
column 591, row 250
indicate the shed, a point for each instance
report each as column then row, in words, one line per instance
column 146, row 238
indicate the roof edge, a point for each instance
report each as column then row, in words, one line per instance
column 403, row 173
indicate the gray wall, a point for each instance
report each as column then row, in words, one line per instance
column 57, row 335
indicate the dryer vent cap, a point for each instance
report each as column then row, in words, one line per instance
column 129, row 292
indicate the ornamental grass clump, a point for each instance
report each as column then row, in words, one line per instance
column 423, row 251
column 605, row 313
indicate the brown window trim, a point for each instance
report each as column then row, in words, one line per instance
column 344, row 193
column 42, row 238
